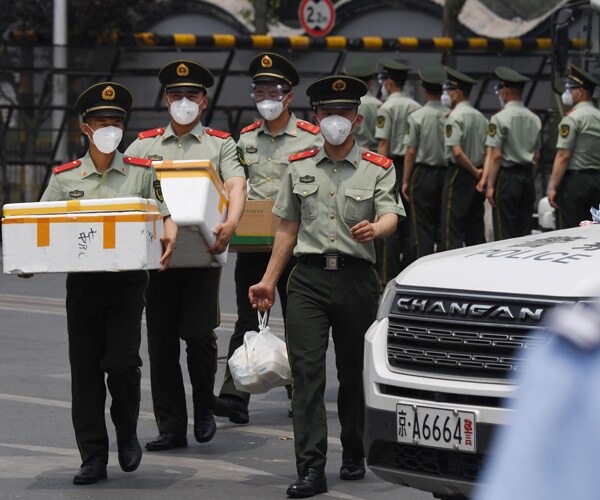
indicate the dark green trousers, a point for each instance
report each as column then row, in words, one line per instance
column 514, row 194
column 577, row 193
column 182, row 304
column 393, row 252
column 462, row 210
column 249, row 270
column 345, row 301
column 104, row 318
column 426, row 185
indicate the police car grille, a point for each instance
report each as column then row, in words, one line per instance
column 459, row 346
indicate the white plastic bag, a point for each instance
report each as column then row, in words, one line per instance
column 261, row 362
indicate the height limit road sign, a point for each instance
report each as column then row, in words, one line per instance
column 317, row 16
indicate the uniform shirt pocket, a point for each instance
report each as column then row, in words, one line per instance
column 358, row 204
column 308, row 200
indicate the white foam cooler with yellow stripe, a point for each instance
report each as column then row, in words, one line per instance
column 115, row 234
column 197, row 200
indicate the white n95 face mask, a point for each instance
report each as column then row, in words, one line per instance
column 106, row 139
column 335, row 129
column 446, row 100
column 184, row 111
column 270, row 110
column 567, row 97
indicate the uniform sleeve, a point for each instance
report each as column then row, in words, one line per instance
column 453, row 132
column 538, row 124
column 495, row 136
column 412, row 134
column 383, row 124
column 567, row 133
column 54, row 190
column 387, row 199
column 287, row 204
column 153, row 190
column 230, row 164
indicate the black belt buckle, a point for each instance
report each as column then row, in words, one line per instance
column 333, row 262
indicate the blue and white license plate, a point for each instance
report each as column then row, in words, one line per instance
column 436, row 427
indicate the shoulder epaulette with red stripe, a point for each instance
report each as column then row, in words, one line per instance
column 217, row 133
column 382, row 161
column 153, row 132
column 449, row 113
column 570, row 111
column 303, row 154
column 66, row 166
column 252, row 126
column 309, row 127
column 140, row 162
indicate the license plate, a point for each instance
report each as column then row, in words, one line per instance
column 436, row 427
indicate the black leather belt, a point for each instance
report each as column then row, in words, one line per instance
column 332, row 261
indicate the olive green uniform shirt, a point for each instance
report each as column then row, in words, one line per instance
column 195, row 145
column 365, row 132
column 466, row 127
column 517, row 132
column 391, row 121
column 329, row 197
column 121, row 180
column 579, row 132
column 266, row 156
column 425, row 133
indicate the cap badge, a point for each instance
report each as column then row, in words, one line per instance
column 339, row 85
column 183, row 70
column 266, row 62
column 108, row 94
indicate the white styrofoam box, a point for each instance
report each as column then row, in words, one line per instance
column 116, row 234
column 197, row 200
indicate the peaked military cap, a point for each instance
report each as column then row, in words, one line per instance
column 393, row 69
column 104, row 99
column 580, row 78
column 360, row 67
column 336, row 92
column 185, row 75
column 510, row 78
column 457, row 80
column 432, row 76
column 269, row 67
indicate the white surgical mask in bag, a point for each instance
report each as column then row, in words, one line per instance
column 106, row 139
column 184, row 111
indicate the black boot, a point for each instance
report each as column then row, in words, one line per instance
column 130, row 453
column 204, row 424
column 311, row 483
column 92, row 471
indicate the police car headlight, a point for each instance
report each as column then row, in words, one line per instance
column 385, row 302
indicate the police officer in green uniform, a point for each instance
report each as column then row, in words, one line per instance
column 365, row 70
column 574, row 185
column 184, row 302
column 393, row 254
column 329, row 201
column 104, row 309
column 425, row 163
column 512, row 155
column 465, row 132
column 265, row 147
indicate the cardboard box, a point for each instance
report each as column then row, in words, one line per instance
column 198, row 202
column 256, row 230
column 116, row 234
